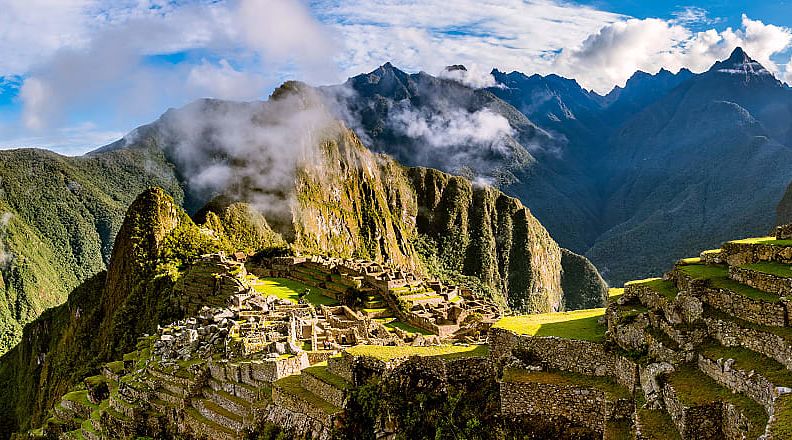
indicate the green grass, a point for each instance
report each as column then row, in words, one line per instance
column 578, row 324
column 659, row 285
column 603, row 383
column 291, row 290
column 116, row 367
column 777, row 269
column 657, row 424
column 80, row 397
column 293, row 386
column 695, row 388
column 393, row 324
column 321, row 372
column 748, row 360
column 782, row 423
column 386, row 353
column 718, row 276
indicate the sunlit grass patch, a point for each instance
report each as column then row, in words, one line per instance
column 578, row 324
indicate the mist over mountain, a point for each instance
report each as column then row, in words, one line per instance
column 665, row 160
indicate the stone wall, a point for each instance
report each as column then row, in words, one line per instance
column 295, row 404
column 325, row 391
column 257, row 372
column 763, row 281
column 565, row 354
column 587, row 406
column 751, row 384
column 297, row 422
column 737, row 254
column 743, row 307
column 699, row 422
column 783, row 232
column 730, row 334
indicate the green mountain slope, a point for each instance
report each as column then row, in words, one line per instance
column 59, row 218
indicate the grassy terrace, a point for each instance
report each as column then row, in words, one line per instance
column 80, row 397
column 293, row 386
column 291, row 290
column 614, row 293
column 657, row 424
column 782, row 425
column 393, row 323
column 659, row 285
column 748, row 360
column 386, row 353
column 321, row 372
column 718, row 276
column 777, row 269
column 695, row 388
column 578, row 324
column 605, row 384
column 763, row 240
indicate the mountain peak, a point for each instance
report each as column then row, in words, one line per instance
column 739, row 63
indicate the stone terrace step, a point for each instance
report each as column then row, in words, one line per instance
column 770, row 277
column 228, row 401
column 773, row 342
column 754, row 250
column 323, row 383
column 591, row 401
column 382, row 312
column 246, row 392
column 745, row 371
column 220, row 415
column 702, row 409
column 732, row 297
column 204, row 428
column 290, row 394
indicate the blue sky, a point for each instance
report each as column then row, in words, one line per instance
column 77, row 74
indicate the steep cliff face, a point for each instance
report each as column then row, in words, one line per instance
column 351, row 203
column 482, row 232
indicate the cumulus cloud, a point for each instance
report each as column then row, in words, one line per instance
column 431, row 34
column 112, row 67
column 611, row 55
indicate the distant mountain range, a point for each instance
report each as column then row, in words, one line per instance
column 675, row 161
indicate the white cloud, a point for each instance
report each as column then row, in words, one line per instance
column 224, row 82
column 79, row 55
column 475, row 76
column 610, row 56
column 110, row 68
column 431, row 34
column 693, row 15
column 31, row 30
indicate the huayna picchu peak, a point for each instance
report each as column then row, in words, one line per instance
column 391, row 220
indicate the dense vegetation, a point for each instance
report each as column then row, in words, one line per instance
column 58, row 220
